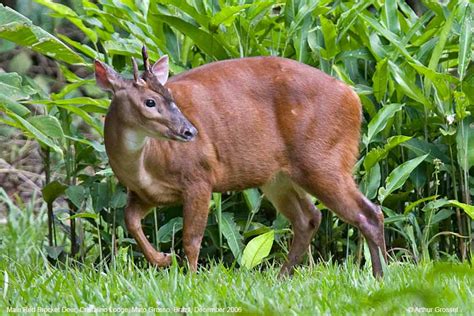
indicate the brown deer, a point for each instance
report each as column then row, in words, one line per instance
column 265, row 122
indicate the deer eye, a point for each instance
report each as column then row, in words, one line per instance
column 150, row 103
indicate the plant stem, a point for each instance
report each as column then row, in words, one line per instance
column 458, row 212
column 47, row 176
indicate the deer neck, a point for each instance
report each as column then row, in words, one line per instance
column 125, row 146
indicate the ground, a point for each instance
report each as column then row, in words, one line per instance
column 29, row 283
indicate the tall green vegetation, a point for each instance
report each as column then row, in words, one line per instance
column 413, row 74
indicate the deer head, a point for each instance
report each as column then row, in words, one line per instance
column 143, row 102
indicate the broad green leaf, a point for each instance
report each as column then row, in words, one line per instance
column 84, row 215
column 167, row 231
column 434, row 205
column 440, row 215
column 377, row 154
column 408, row 86
column 93, row 122
column 421, row 147
column 104, row 103
column 395, row 219
column 342, row 75
column 389, row 213
column 302, row 13
column 290, row 12
column 52, row 191
column 76, row 194
column 94, row 144
column 380, row 120
column 349, row 17
column 202, row 19
column 253, row 199
column 418, row 177
column 329, row 33
column 412, row 205
column 20, row 30
column 469, row 209
column 408, row 11
column 435, row 6
column 362, row 89
column 125, row 47
column 257, row 249
column 439, row 48
column 375, row 45
column 465, row 143
column 380, row 79
column 256, row 10
column 119, row 199
column 301, row 40
column 360, row 53
column 34, row 132
column 227, row 15
column 86, row 50
column 256, row 228
column 100, row 195
column 143, row 6
column 368, row 105
column 7, row 104
column 71, row 15
column 433, row 75
column 392, row 37
column 298, row 31
column 72, row 87
column 462, row 104
column 11, row 87
column 107, row 172
column 232, row 235
column 205, row 41
column 398, row 176
column 371, row 182
column 417, row 27
column 390, row 16
column 47, row 124
column 440, row 81
column 465, row 40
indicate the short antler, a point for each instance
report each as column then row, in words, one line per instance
column 146, row 62
column 150, row 78
column 136, row 75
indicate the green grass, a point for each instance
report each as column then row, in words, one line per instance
column 28, row 280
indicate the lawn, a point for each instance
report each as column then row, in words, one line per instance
column 29, row 283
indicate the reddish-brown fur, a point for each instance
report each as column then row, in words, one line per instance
column 265, row 122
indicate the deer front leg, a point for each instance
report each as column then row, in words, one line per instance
column 135, row 211
column 195, row 212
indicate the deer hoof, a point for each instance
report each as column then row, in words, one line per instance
column 286, row 271
column 161, row 259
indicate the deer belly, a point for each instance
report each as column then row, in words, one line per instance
column 153, row 191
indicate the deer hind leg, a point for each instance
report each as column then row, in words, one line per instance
column 295, row 204
column 195, row 214
column 340, row 194
column 135, row 211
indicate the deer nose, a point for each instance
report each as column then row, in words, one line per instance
column 189, row 132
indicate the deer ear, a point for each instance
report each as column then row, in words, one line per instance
column 161, row 69
column 106, row 77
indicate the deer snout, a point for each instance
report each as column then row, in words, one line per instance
column 188, row 132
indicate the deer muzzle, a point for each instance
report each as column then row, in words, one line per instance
column 186, row 132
